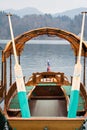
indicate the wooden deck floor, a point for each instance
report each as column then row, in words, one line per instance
column 49, row 107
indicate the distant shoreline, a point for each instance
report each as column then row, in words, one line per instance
column 40, row 41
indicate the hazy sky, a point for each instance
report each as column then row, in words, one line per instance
column 46, row 6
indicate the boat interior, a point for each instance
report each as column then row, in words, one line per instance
column 48, row 96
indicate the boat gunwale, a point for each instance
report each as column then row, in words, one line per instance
column 45, row 118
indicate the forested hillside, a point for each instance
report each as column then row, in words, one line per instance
column 28, row 22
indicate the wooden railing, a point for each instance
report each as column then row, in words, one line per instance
column 57, row 77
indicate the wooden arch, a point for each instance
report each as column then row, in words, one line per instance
column 23, row 38
column 20, row 41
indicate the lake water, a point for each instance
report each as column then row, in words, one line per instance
column 37, row 52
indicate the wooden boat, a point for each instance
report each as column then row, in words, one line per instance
column 48, row 92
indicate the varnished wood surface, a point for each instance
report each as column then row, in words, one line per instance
column 45, row 123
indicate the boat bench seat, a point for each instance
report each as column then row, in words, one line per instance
column 48, row 97
column 81, row 101
column 28, row 89
column 15, row 103
column 47, row 84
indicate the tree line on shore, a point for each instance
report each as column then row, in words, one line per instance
column 29, row 22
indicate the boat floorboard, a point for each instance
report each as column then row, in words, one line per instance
column 48, row 107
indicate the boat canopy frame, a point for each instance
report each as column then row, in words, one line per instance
column 20, row 40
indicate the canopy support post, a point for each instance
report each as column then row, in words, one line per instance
column 84, row 73
column 10, row 69
column 5, row 80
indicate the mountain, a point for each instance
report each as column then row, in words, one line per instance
column 71, row 13
column 24, row 11
column 31, row 10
